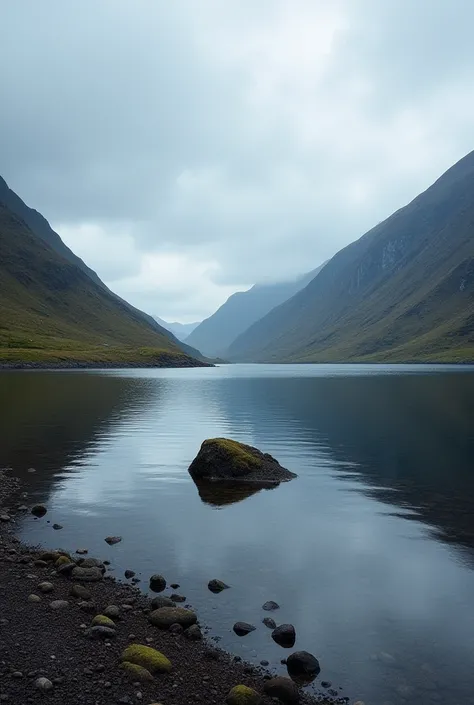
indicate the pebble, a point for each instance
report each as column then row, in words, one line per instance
column 56, row 527
column 112, row 540
column 270, row 606
column 34, row 598
column 269, row 622
column 5, row 517
column 46, row 587
column 81, row 551
column 17, row 674
column 112, row 611
column 264, row 662
column 129, row 574
column 43, row 684
column 243, row 628
column 59, row 604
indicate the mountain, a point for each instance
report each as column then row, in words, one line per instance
column 40, row 227
column 403, row 292
column 54, row 309
column 179, row 330
column 216, row 333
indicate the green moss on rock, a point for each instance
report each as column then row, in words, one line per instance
column 238, row 451
column 228, row 460
column 137, row 673
column 147, row 657
column 243, row 695
column 101, row 620
column 62, row 560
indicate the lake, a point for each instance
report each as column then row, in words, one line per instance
column 369, row 552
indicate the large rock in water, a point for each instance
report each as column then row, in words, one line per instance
column 222, row 459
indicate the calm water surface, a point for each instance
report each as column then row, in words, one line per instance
column 370, row 552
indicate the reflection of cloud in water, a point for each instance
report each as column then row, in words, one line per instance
column 354, row 580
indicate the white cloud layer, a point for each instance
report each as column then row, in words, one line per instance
column 188, row 149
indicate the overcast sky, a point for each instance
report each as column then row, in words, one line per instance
column 188, row 149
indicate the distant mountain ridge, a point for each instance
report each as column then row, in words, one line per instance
column 179, row 330
column 402, row 292
column 215, row 334
column 52, row 306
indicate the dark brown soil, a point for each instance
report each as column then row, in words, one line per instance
column 36, row 641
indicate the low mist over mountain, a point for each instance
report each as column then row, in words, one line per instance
column 404, row 291
column 216, row 333
column 179, row 330
column 53, row 308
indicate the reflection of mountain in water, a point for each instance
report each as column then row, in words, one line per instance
column 51, row 420
column 411, row 433
column 220, row 494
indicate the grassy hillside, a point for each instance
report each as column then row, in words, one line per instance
column 403, row 292
column 215, row 334
column 51, row 311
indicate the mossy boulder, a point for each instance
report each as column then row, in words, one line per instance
column 243, row 695
column 62, row 560
column 101, row 620
column 164, row 617
column 223, row 459
column 136, row 672
column 147, row 657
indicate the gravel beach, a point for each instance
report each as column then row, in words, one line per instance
column 49, row 653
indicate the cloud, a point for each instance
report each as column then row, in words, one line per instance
column 240, row 141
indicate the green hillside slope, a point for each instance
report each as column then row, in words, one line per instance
column 403, row 292
column 51, row 311
column 40, row 227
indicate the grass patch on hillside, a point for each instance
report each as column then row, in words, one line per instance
column 141, row 357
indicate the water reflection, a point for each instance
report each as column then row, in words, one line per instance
column 220, row 494
column 49, row 421
column 347, row 549
column 409, row 439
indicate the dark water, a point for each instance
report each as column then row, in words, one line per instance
column 370, row 552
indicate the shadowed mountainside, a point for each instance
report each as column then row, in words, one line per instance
column 216, row 333
column 403, row 292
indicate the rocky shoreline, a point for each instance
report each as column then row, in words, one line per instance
column 74, row 365
column 54, row 647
